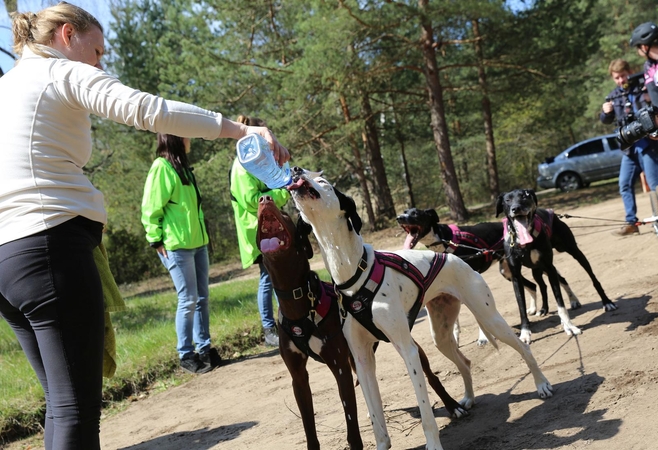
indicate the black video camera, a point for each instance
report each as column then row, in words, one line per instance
column 645, row 125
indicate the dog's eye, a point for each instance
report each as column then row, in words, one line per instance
column 322, row 181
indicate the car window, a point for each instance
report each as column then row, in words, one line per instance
column 588, row 148
column 613, row 143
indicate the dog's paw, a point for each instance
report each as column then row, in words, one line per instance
column 467, row 402
column 532, row 310
column 575, row 304
column 526, row 336
column 482, row 339
column 543, row 312
column 545, row 390
column 610, row 307
column 460, row 412
column 571, row 329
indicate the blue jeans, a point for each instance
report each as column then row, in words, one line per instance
column 650, row 167
column 265, row 298
column 189, row 272
column 52, row 298
column 631, row 165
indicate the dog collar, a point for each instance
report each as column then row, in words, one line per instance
column 320, row 300
column 361, row 267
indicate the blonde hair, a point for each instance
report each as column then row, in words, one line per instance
column 619, row 66
column 31, row 29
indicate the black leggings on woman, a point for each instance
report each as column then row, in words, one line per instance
column 51, row 296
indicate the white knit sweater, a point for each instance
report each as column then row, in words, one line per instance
column 45, row 137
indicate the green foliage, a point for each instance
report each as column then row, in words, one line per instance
column 307, row 67
column 130, row 257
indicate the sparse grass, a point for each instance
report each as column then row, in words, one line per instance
column 146, row 352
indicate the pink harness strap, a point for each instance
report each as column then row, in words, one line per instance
column 399, row 264
column 360, row 304
column 460, row 237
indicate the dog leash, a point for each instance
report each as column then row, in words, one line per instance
column 647, row 221
column 478, row 251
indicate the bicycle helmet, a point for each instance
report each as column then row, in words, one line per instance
column 644, row 34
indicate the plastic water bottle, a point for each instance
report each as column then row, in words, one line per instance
column 256, row 157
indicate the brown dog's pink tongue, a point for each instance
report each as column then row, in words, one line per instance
column 522, row 232
column 408, row 241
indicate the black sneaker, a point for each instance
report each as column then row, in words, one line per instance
column 194, row 365
column 211, row 357
column 271, row 337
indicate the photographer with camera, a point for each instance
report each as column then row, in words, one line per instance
column 622, row 105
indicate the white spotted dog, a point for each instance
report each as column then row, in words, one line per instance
column 390, row 299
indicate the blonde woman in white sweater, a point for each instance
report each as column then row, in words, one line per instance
column 51, row 216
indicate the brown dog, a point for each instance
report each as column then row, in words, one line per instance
column 309, row 321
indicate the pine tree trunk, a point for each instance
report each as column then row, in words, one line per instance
column 359, row 166
column 383, row 199
column 438, row 122
column 492, row 168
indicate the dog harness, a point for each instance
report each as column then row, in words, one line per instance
column 538, row 225
column 360, row 304
column 464, row 238
column 323, row 304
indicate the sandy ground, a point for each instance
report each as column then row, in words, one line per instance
column 605, row 380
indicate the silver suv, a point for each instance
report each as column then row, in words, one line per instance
column 591, row 160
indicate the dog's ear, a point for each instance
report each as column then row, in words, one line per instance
column 532, row 194
column 499, row 204
column 302, row 242
column 348, row 205
column 433, row 215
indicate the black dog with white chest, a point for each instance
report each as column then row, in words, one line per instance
column 531, row 234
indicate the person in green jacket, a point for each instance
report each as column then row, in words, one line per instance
column 173, row 220
column 246, row 189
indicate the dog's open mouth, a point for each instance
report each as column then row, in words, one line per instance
column 273, row 236
column 413, row 236
column 522, row 227
column 301, row 187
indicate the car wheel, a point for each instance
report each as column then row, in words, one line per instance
column 569, row 181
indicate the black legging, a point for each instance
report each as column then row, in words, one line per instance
column 51, row 296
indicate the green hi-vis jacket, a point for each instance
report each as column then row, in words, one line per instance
column 246, row 189
column 171, row 211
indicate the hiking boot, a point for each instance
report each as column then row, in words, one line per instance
column 627, row 230
column 194, row 365
column 211, row 358
column 271, row 337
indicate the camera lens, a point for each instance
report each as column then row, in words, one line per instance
column 629, row 134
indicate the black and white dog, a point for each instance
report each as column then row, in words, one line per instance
column 531, row 234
